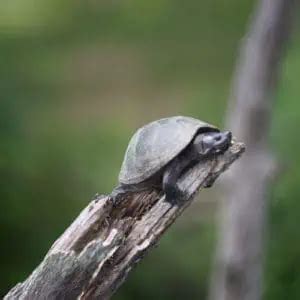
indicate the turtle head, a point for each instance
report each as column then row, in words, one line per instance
column 210, row 143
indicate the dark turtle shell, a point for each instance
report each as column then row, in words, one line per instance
column 154, row 145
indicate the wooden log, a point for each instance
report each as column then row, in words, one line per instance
column 94, row 255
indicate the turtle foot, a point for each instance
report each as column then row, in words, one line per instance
column 174, row 195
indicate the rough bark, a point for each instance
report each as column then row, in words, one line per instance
column 239, row 258
column 94, row 255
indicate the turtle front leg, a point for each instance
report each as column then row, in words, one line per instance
column 170, row 177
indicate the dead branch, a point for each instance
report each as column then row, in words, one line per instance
column 239, row 259
column 94, row 255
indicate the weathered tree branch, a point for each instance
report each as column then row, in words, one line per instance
column 239, row 259
column 94, row 255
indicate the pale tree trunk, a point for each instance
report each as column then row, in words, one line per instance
column 95, row 254
column 237, row 274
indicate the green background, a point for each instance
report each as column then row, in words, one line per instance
column 77, row 78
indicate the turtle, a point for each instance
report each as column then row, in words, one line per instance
column 161, row 151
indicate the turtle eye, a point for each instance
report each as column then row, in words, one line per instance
column 218, row 138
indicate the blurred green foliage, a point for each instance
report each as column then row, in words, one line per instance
column 77, row 78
